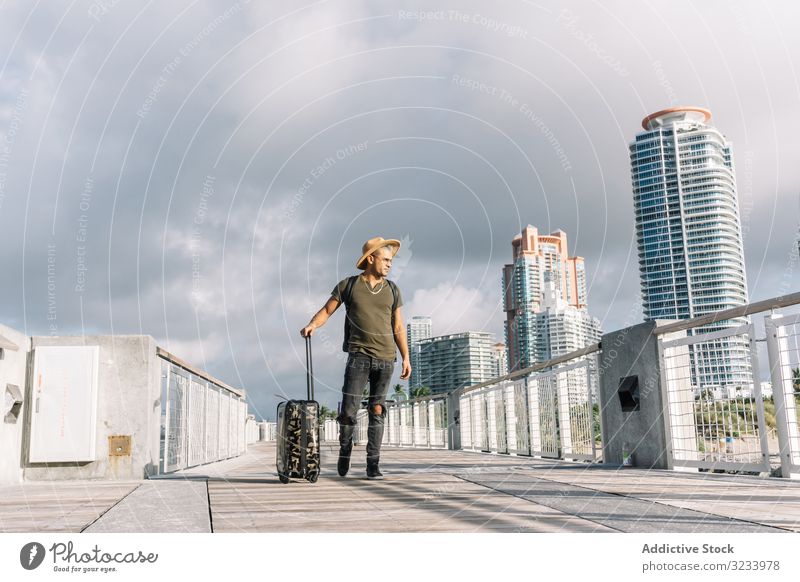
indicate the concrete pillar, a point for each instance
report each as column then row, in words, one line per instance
column 632, row 353
column 454, row 420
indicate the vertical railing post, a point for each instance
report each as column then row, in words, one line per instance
column 387, row 430
column 484, row 398
column 431, row 422
column 521, row 416
column 589, row 387
column 785, row 408
column 205, row 422
column 562, row 389
column 757, row 397
column 167, row 423
column 412, row 409
column 534, row 416
column 501, row 420
column 218, row 453
column 186, row 420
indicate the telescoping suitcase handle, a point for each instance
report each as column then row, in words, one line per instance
column 309, row 370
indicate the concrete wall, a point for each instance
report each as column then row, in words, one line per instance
column 633, row 351
column 13, row 370
column 129, row 404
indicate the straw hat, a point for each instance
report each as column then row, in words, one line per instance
column 373, row 245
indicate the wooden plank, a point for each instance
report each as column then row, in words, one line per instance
column 769, row 502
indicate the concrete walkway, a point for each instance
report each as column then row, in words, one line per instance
column 424, row 490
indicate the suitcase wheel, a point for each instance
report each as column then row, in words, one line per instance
column 283, row 478
column 313, row 476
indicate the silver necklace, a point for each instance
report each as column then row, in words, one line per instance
column 383, row 282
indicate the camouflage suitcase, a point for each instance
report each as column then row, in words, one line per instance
column 298, row 433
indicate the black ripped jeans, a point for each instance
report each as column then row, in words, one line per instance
column 360, row 369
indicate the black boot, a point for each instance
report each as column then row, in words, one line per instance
column 372, row 470
column 345, row 448
column 343, row 466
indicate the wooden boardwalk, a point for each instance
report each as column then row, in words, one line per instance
column 424, row 491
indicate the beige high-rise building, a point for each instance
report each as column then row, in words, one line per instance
column 537, row 259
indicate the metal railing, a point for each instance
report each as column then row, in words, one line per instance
column 715, row 413
column 547, row 410
column 721, row 403
column 730, row 391
column 783, row 346
column 267, row 431
column 203, row 419
column 420, row 422
column 729, row 423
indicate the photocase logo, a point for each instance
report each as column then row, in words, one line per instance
column 31, row 555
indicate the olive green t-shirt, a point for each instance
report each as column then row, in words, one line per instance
column 370, row 317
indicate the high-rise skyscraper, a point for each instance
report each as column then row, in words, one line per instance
column 537, row 259
column 418, row 328
column 688, row 231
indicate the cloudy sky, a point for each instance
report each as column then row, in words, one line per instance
column 205, row 172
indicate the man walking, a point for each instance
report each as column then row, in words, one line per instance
column 373, row 325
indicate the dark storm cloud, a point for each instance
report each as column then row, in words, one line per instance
column 206, row 172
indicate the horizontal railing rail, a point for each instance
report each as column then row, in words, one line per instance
column 590, row 349
column 197, row 371
column 732, row 313
column 437, row 396
column 741, row 311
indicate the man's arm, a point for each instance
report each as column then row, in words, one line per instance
column 400, row 339
column 320, row 317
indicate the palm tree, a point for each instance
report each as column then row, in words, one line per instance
column 420, row 391
column 325, row 412
column 399, row 392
